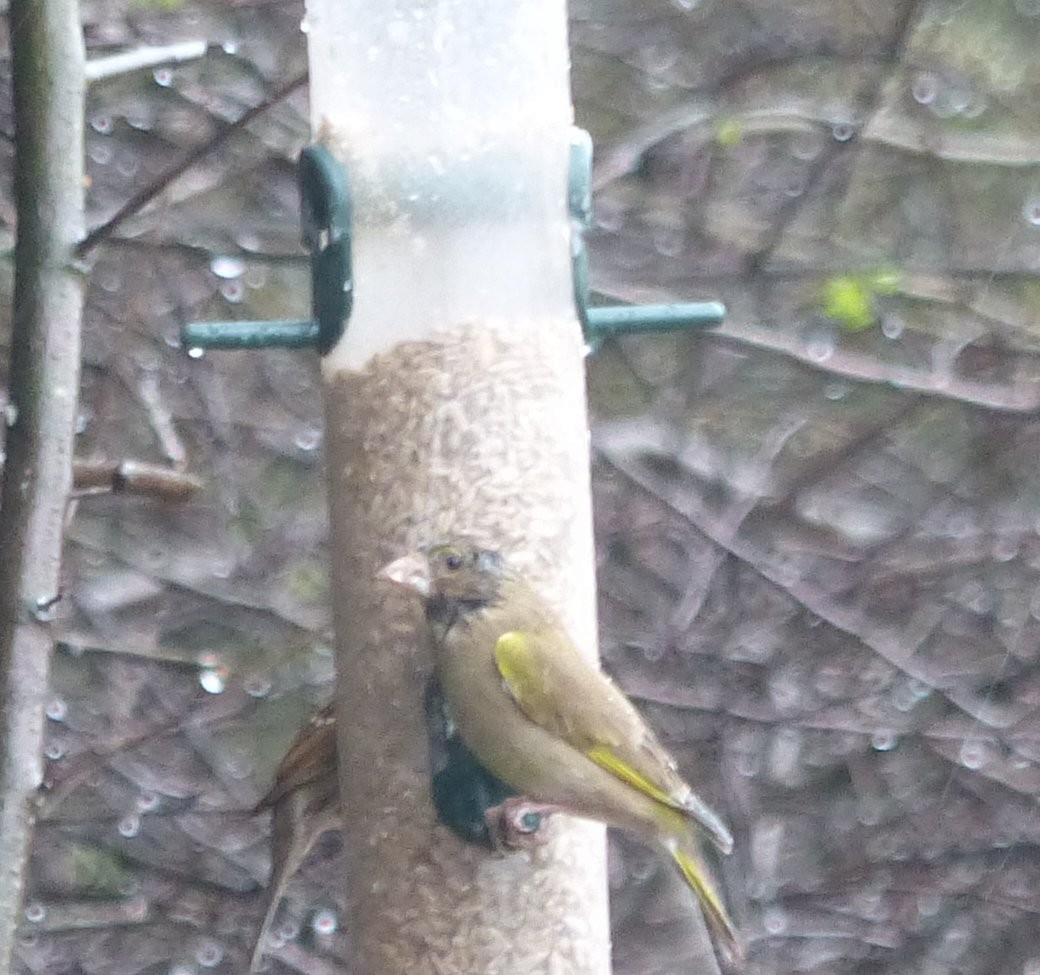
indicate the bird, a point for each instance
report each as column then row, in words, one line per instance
column 304, row 799
column 546, row 721
column 304, row 804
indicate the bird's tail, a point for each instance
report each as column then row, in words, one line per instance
column 296, row 824
column 695, row 874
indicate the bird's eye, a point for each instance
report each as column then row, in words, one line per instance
column 453, row 561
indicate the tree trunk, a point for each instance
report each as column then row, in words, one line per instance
column 47, row 53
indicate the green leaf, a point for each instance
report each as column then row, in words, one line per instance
column 849, row 299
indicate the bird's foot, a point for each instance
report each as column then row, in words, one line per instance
column 516, row 824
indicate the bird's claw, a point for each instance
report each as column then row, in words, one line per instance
column 516, row 824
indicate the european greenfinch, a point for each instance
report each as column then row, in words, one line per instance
column 546, row 721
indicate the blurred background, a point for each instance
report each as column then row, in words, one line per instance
column 818, row 527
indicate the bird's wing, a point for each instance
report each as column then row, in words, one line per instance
column 311, row 756
column 557, row 689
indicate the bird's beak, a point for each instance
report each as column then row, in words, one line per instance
column 410, row 571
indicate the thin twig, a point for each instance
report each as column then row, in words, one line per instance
column 731, row 520
column 140, row 200
column 1013, row 397
column 133, row 477
column 143, row 57
column 898, row 647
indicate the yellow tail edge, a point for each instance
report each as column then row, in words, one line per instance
column 711, row 904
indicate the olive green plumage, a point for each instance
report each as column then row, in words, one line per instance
column 543, row 719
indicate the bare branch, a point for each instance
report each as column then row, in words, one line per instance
column 133, row 477
column 47, row 51
column 1012, row 398
column 139, row 201
column 897, row 647
column 143, row 57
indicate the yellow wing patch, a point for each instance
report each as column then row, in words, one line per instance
column 605, row 758
column 525, row 677
column 513, row 658
column 551, row 697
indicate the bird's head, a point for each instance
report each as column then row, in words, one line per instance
column 457, row 572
